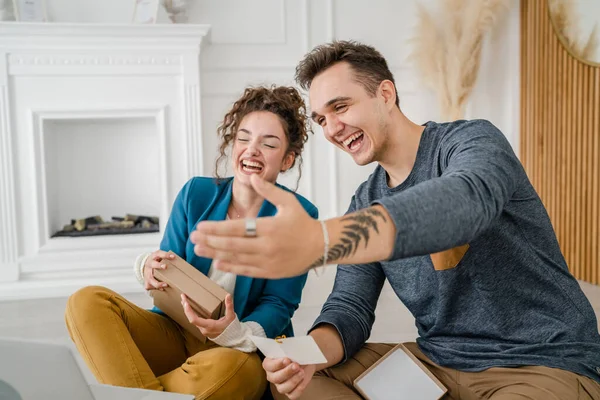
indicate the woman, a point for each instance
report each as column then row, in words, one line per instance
column 125, row 345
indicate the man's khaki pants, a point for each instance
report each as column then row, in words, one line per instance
column 125, row 345
column 539, row 383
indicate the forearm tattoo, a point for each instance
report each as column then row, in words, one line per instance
column 358, row 226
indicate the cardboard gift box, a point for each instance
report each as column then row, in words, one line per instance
column 206, row 298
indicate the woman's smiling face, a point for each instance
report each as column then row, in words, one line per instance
column 260, row 147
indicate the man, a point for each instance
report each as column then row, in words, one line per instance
column 450, row 218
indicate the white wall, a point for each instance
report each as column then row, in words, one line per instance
column 261, row 42
column 589, row 13
column 496, row 96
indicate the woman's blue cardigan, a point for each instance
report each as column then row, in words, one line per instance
column 269, row 302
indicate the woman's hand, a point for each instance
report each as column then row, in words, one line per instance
column 153, row 262
column 210, row 328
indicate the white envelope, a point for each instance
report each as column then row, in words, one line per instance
column 301, row 349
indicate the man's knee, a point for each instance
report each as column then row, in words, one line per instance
column 528, row 382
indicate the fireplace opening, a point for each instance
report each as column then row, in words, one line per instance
column 97, row 168
column 97, row 226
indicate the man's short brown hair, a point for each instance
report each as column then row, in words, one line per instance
column 368, row 64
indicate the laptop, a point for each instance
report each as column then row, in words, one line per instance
column 35, row 370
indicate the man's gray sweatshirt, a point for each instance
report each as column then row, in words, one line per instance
column 509, row 300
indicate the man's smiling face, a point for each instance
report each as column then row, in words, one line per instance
column 351, row 118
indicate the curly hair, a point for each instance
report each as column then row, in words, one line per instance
column 285, row 102
column 369, row 66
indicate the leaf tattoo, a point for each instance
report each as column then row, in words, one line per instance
column 359, row 227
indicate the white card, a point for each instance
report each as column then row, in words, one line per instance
column 301, row 349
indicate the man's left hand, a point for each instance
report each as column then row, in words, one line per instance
column 285, row 245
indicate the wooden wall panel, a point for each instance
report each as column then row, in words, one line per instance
column 560, row 125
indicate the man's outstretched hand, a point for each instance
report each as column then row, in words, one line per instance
column 285, row 245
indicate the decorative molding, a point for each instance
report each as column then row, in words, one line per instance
column 308, row 163
column 165, row 170
column 193, row 131
column 332, row 151
column 72, row 36
column 216, row 84
column 232, row 83
column 249, row 68
column 268, row 15
column 330, row 10
column 306, row 45
column 284, row 20
column 64, row 49
column 75, row 64
column 9, row 269
column 89, row 60
column 3, row 68
column 193, row 123
column 101, row 111
column 62, row 246
column 40, row 230
column 105, row 252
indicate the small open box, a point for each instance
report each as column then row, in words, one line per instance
column 399, row 374
column 206, row 298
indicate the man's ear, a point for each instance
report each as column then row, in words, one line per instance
column 288, row 161
column 388, row 92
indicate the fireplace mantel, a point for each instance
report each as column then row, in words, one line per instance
column 55, row 78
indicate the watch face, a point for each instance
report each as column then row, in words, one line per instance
column 7, row 392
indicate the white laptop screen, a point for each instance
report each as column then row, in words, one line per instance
column 41, row 371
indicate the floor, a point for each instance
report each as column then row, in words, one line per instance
column 43, row 319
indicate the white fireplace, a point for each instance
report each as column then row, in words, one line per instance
column 94, row 120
